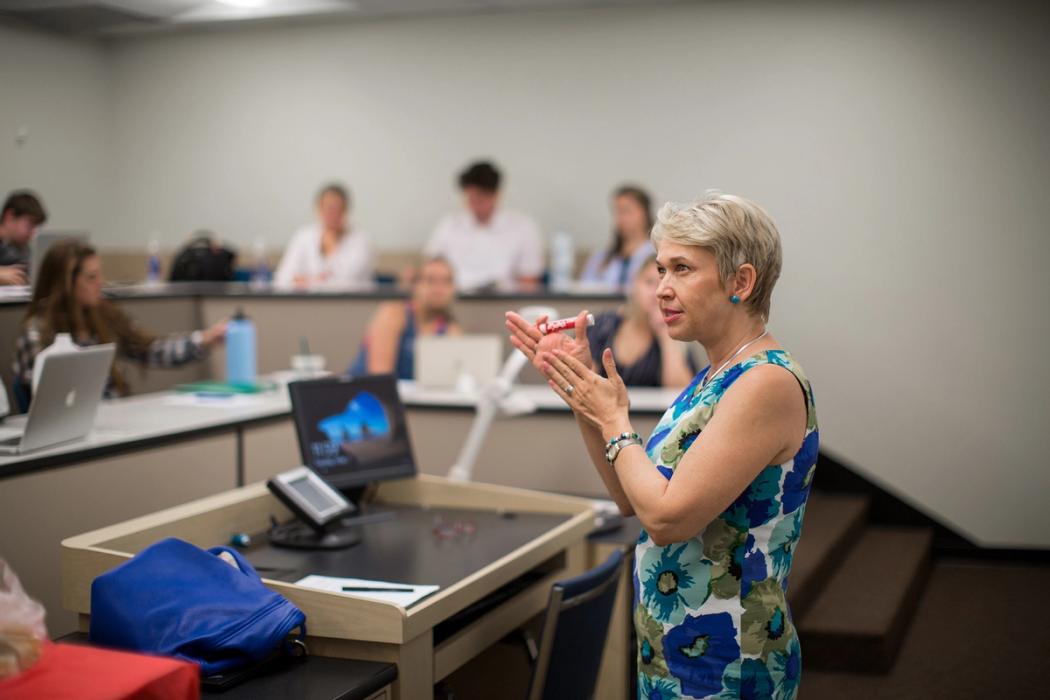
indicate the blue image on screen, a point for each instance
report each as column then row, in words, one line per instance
column 363, row 419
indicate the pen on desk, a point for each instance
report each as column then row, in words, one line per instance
column 374, row 589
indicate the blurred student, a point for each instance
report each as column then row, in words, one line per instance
column 488, row 246
column 644, row 351
column 616, row 266
column 67, row 298
column 330, row 253
column 390, row 341
column 22, row 215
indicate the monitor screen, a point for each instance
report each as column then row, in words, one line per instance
column 352, row 431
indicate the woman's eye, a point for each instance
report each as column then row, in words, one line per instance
column 681, row 268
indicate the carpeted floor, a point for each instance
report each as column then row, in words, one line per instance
column 982, row 630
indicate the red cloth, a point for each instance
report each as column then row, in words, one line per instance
column 89, row 673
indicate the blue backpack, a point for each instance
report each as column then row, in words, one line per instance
column 178, row 600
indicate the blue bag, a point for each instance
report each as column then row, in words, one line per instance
column 178, row 600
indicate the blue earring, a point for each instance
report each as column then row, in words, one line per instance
column 734, row 299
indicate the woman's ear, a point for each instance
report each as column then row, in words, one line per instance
column 743, row 282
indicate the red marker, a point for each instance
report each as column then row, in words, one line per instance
column 563, row 324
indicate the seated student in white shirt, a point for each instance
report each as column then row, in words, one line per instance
column 328, row 254
column 488, row 246
column 616, row 266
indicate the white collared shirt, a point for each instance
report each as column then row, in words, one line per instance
column 500, row 252
column 349, row 265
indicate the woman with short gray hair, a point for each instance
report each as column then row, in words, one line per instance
column 721, row 484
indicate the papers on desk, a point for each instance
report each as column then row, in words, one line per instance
column 403, row 594
column 212, row 400
column 15, row 291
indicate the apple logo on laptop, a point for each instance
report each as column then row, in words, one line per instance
column 71, row 398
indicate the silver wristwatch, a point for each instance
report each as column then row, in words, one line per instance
column 612, row 449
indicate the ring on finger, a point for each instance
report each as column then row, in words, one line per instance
column 569, row 388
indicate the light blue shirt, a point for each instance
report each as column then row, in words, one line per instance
column 619, row 273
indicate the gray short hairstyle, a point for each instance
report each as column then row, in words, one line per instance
column 736, row 231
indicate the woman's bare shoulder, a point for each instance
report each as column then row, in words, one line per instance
column 389, row 314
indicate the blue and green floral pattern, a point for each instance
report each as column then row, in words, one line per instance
column 711, row 613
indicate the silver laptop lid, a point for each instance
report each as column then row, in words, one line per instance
column 67, row 397
column 440, row 360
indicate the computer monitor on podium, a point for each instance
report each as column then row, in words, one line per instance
column 352, row 432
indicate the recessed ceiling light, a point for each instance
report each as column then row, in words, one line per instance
column 244, row 4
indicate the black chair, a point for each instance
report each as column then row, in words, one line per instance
column 574, row 631
column 21, row 393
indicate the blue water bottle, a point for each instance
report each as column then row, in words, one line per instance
column 240, row 350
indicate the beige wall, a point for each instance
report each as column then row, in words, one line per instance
column 58, row 91
column 901, row 147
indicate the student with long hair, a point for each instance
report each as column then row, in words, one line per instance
column 68, row 298
column 616, row 266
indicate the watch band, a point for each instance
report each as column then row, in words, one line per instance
column 612, row 450
column 622, row 436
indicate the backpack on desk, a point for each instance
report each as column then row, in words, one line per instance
column 202, row 260
column 178, row 600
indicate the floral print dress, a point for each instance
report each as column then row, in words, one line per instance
column 711, row 613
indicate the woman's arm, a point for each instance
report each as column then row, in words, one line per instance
column 595, row 444
column 526, row 337
column 358, row 263
column 759, row 418
column 27, row 347
column 169, row 351
column 290, row 268
column 384, row 335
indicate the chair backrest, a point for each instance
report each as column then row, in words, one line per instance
column 574, row 632
column 22, row 395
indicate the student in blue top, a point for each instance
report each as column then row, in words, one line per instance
column 390, row 341
column 616, row 266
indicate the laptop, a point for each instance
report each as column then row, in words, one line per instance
column 66, row 400
column 441, row 360
column 42, row 242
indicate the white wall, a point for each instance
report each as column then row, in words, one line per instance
column 58, row 91
column 902, row 149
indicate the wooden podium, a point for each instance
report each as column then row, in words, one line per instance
column 520, row 535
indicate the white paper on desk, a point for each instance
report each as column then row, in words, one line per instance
column 225, row 401
column 15, row 290
column 334, row 584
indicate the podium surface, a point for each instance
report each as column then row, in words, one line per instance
column 524, row 538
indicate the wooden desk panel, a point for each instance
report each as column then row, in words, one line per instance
column 352, row 627
column 334, row 327
column 541, row 451
column 38, row 510
column 269, row 449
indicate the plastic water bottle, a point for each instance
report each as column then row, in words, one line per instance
column 261, row 276
column 153, row 261
column 562, row 261
column 240, row 350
